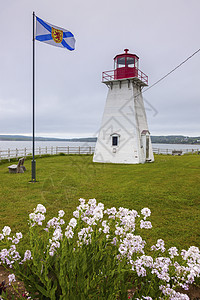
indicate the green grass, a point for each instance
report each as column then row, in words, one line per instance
column 170, row 187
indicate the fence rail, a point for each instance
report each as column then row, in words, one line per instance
column 16, row 153
column 25, row 152
column 170, row 151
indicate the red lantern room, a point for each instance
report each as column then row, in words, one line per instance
column 125, row 66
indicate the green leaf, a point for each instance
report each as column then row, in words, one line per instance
column 42, row 290
column 53, row 291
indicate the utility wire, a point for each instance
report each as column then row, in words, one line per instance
column 171, row 71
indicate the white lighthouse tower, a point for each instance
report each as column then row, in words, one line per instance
column 124, row 136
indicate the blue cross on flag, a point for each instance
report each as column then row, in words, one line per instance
column 54, row 35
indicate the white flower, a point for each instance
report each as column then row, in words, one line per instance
column 146, row 261
column 11, row 278
column 6, row 230
column 37, row 217
column 73, row 222
column 193, row 252
column 146, row 212
column 69, row 232
column 15, row 241
column 53, row 223
column 145, row 224
column 61, row 213
column 82, row 201
column 32, row 216
column 27, row 255
column 104, row 223
column 40, row 208
column 92, row 202
column 119, row 230
column 159, row 246
column 166, row 290
column 98, row 212
column 106, row 229
column 62, row 222
column 141, row 271
column 101, row 205
column 76, row 214
column 19, row 235
column 57, row 235
column 53, row 247
column 173, row 251
column 1, row 236
column 114, row 241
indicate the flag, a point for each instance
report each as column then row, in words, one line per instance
column 54, row 35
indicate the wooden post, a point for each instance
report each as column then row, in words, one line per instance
column 8, row 154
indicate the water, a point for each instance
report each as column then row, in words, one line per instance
column 4, row 145
column 182, row 147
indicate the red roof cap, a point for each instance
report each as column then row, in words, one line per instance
column 126, row 54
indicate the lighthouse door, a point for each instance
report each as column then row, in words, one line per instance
column 145, row 141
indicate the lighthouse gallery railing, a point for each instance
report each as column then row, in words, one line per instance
column 110, row 75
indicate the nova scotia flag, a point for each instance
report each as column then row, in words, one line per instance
column 54, row 35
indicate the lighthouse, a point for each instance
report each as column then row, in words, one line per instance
column 124, row 135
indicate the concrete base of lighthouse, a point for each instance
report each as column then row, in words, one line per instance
column 124, row 135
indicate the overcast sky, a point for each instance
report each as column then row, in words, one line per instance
column 70, row 97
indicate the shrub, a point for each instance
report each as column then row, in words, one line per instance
column 99, row 254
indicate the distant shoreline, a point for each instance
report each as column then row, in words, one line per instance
column 29, row 138
column 170, row 139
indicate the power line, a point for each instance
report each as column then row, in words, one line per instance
column 171, row 71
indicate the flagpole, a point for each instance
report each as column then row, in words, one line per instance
column 33, row 161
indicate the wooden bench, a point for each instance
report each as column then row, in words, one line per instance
column 177, row 152
column 19, row 168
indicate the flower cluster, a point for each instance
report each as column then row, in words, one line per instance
column 38, row 215
column 56, row 224
column 6, row 235
column 160, row 245
column 173, row 295
column 9, row 256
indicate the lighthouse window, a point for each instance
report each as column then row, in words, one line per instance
column 136, row 63
column 114, row 140
column 130, row 62
column 121, row 62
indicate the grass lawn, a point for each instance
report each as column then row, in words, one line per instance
column 170, row 187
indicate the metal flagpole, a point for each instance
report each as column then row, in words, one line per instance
column 33, row 161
